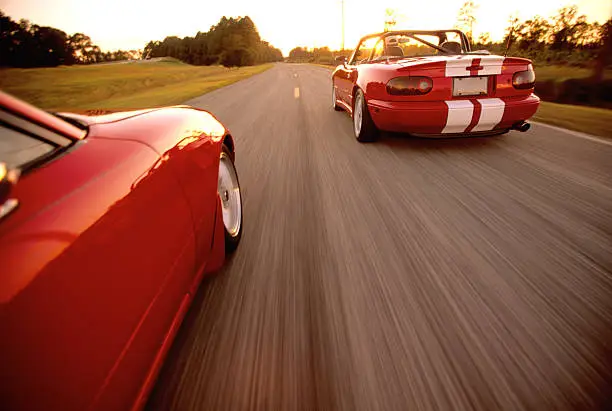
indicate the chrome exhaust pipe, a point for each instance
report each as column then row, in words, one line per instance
column 521, row 126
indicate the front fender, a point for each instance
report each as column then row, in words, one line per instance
column 217, row 251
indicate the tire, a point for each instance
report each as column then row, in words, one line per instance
column 364, row 128
column 228, row 190
column 334, row 100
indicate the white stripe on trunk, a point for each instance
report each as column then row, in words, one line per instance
column 459, row 116
column 491, row 114
column 491, row 65
column 458, row 67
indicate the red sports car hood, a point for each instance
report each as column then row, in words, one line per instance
column 91, row 117
column 160, row 128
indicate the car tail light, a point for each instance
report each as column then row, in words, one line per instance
column 409, row 86
column 524, row 79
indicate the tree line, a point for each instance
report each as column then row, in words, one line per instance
column 232, row 42
column 565, row 38
column 23, row 44
column 322, row 55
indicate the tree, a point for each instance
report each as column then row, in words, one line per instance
column 605, row 51
column 9, row 30
column 593, row 35
column 390, row 19
column 511, row 31
column 84, row 50
column 23, row 44
column 52, row 47
column 466, row 18
column 300, row 54
column 567, row 28
column 533, row 33
column 484, row 38
column 322, row 55
column 150, row 49
column 232, row 42
column 265, row 53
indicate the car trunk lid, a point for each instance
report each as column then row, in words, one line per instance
column 465, row 76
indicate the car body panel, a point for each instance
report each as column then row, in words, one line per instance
column 92, row 117
column 192, row 138
column 439, row 111
column 74, row 298
column 100, row 265
column 452, row 117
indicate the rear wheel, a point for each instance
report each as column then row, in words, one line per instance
column 363, row 126
column 335, row 99
column 228, row 188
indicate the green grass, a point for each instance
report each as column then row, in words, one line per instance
column 119, row 86
column 590, row 120
column 562, row 73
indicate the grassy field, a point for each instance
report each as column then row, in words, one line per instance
column 119, row 86
column 562, row 73
column 590, row 120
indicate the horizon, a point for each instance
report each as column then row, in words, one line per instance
column 270, row 18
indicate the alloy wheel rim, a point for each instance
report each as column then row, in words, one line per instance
column 358, row 114
column 333, row 96
column 229, row 192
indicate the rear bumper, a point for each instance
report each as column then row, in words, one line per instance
column 453, row 117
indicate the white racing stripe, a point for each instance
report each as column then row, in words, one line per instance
column 491, row 113
column 459, row 116
column 457, row 67
column 491, row 65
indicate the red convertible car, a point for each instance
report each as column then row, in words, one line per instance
column 107, row 225
column 430, row 83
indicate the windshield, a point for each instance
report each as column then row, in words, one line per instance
column 401, row 45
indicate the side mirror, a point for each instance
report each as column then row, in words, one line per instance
column 8, row 179
column 341, row 60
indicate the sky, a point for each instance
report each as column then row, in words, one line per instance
column 130, row 24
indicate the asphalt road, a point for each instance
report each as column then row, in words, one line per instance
column 408, row 274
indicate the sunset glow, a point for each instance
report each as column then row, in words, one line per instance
column 115, row 24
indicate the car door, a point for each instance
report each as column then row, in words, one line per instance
column 346, row 76
column 344, row 80
column 92, row 258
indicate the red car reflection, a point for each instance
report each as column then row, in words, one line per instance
column 107, row 225
column 431, row 83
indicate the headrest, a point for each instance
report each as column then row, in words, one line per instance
column 451, row 46
column 394, row 51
